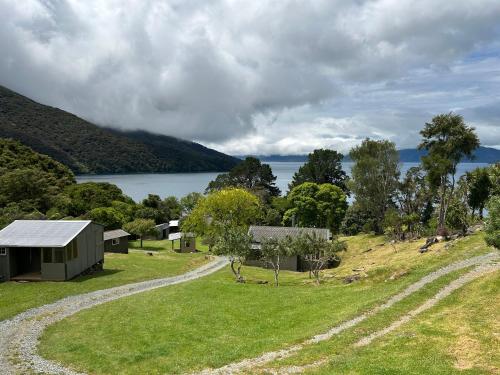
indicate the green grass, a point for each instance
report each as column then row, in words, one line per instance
column 119, row 269
column 213, row 321
column 161, row 245
column 457, row 336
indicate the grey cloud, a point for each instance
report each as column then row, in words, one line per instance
column 232, row 72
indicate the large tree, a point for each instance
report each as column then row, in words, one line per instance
column 313, row 205
column 250, row 174
column 214, row 214
column 375, row 176
column 447, row 140
column 322, row 167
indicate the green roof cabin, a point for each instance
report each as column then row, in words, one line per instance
column 50, row 249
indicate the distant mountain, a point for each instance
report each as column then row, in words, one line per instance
column 87, row 148
column 406, row 155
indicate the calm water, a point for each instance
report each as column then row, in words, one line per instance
column 138, row 186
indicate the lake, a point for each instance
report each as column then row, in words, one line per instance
column 138, row 186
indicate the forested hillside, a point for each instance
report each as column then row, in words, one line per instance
column 88, row 148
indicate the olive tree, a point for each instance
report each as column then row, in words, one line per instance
column 235, row 244
column 272, row 252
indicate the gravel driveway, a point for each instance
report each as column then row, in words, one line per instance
column 19, row 336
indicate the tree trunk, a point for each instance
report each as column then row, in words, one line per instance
column 141, row 241
column 277, row 271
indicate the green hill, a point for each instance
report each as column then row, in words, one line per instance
column 87, row 148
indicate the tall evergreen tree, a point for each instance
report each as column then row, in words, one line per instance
column 447, row 140
column 375, row 178
column 322, row 167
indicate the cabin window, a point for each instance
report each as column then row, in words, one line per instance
column 58, row 256
column 47, row 255
column 3, row 251
column 115, row 241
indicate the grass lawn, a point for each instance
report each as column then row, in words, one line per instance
column 118, row 269
column 457, row 336
column 213, row 321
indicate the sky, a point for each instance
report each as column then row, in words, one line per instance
column 259, row 76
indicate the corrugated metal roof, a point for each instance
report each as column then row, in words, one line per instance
column 174, row 223
column 41, row 233
column 162, row 226
column 259, row 233
column 117, row 233
column 179, row 235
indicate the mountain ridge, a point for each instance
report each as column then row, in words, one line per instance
column 407, row 155
column 87, row 148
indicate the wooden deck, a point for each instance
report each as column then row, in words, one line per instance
column 31, row 276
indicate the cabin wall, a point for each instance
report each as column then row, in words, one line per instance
column 90, row 246
column 121, row 247
column 5, row 266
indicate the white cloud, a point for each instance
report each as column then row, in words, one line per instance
column 262, row 76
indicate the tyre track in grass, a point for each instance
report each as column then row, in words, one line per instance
column 444, row 292
column 265, row 358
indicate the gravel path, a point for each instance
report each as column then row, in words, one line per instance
column 19, row 336
column 261, row 360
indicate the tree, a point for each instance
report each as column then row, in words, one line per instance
column 272, row 252
column 356, row 220
column 235, row 244
column 314, row 205
column 140, row 227
column 161, row 211
column 250, row 174
column 494, row 174
column 480, row 187
column 375, row 176
column 492, row 228
column 317, row 251
column 109, row 217
column 214, row 214
column 89, row 195
column 322, row 167
column 188, row 202
column 447, row 140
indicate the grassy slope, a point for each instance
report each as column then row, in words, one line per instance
column 119, row 269
column 213, row 321
column 459, row 335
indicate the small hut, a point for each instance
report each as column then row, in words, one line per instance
column 116, row 241
column 187, row 242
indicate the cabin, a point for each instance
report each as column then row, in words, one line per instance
column 116, row 241
column 162, row 231
column 187, row 242
column 173, row 226
column 53, row 250
column 290, row 263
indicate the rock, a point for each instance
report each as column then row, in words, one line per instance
column 150, row 253
column 368, row 250
column 351, row 278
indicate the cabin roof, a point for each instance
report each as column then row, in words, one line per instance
column 41, row 233
column 260, row 233
column 117, row 233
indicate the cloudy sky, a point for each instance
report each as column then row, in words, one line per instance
column 262, row 77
